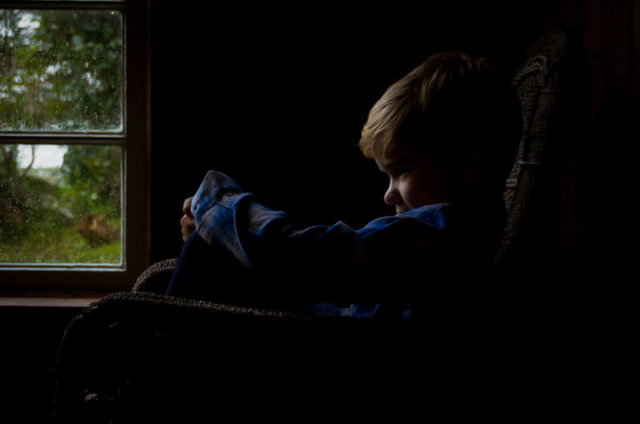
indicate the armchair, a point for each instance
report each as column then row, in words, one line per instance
column 138, row 356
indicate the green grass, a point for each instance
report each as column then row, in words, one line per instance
column 56, row 247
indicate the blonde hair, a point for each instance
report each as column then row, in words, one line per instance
column 449, row 96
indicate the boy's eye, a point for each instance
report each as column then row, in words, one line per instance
column 399, row 172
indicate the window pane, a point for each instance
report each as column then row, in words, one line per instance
column 61, row 70
column 60, row 204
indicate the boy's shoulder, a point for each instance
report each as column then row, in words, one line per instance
column 419, row 222
column 435, row 214
column 458, row 220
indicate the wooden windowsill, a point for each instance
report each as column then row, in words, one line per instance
column 50, row 298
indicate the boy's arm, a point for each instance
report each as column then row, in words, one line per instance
column 267, row 240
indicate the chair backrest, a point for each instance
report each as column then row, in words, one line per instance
column 155, row 279
column 551, row 86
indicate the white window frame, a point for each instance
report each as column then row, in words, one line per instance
column 135, row 142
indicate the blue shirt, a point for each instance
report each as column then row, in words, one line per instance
column 379, row 261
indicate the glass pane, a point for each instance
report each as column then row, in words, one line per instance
column 60, row 204
column 61, row 70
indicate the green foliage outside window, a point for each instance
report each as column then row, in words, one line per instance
column 60, row 71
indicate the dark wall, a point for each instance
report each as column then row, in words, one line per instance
column 277, row 98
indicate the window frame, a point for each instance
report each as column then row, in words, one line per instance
column 135, row 142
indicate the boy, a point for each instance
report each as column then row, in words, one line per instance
column 446, row 136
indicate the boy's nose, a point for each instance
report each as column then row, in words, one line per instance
column 392, row 196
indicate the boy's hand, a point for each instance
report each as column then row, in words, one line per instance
column 187, row 222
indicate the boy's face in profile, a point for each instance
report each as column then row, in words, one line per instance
column 415, row 179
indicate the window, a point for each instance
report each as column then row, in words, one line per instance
column 73, row 144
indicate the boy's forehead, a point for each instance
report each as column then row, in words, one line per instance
column 395, row 155
column 391, row 162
